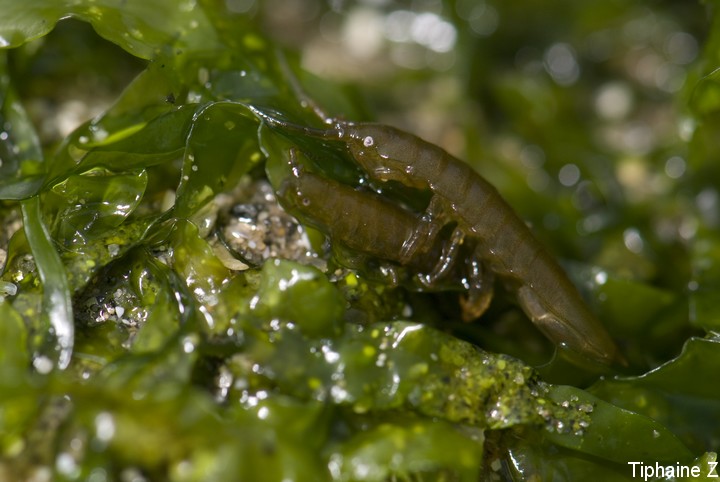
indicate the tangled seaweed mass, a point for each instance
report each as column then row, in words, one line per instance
column 163, row 318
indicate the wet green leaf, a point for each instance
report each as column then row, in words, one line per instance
column 222, row 146
column 161, row 140
column 678, row 394
column 96, row 203
column 618, row 435
column 143, row 28
column 414, row 449
column 14, row 355
column 57, row 305
column 21, row 169
column 299, row 294
column 704, row 308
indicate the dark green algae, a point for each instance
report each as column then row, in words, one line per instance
column 178, row 368
column 320, row 400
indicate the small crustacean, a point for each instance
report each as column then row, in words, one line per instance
column 369, row 225
column 459, row 195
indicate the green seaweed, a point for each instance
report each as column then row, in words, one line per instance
column 130, row 348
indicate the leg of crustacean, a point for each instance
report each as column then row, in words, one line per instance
column 390, row 274
column 424, row 235
column 480, row 291
column 386, row 271
column 448, row 257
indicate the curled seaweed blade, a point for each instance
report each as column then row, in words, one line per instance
column 57, row 303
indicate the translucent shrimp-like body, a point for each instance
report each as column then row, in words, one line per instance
column 504, row 244
column 372, row 226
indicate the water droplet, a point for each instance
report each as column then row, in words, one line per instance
column 263, row 413
column 188, row 345
column 42, row 364
column 330, row 355
column 113, row 249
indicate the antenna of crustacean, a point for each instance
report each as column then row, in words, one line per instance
column 337, row 129
column 296, row 128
